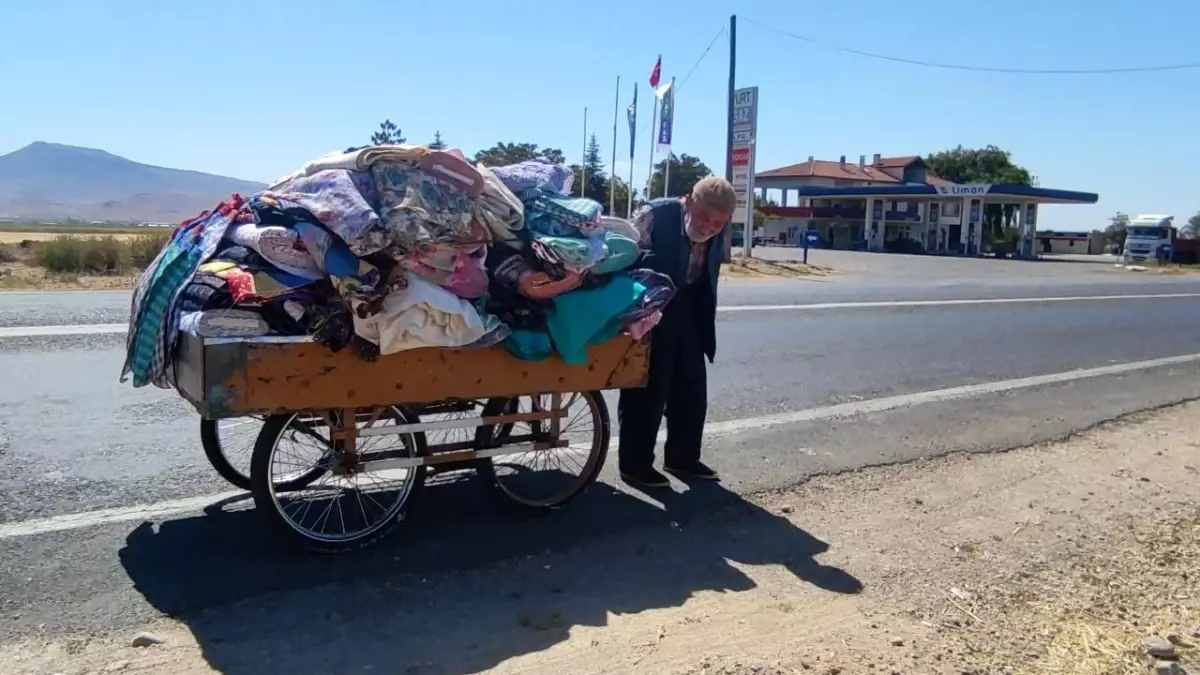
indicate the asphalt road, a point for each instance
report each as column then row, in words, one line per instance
column 75, row 441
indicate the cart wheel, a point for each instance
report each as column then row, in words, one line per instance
column 231, row 441
column 337, row 511
column 546, row 479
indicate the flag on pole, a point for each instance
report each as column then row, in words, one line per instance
column 632, row 114
column 656, row 74
column 666, row 117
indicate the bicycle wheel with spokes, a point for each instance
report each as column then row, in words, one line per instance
column 549, row 478
column 342, row 509
column 229, row 444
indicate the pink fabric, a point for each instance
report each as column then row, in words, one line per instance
column 458, row 269
column 642, row 327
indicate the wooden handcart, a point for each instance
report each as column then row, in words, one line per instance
column 372, row 428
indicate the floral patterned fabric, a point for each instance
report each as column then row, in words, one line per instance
column 334, row 199
column 417, row 208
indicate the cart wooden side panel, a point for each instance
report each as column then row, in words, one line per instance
column 233, row 378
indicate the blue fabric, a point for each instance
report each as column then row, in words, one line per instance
column 529, row 345
column 590, row 316
column 622, row 252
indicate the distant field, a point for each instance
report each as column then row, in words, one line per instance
column 55, row 230
column 15, row 233
column 18, row 236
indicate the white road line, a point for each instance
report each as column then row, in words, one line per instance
column 935, row 303
column 107, row 328
column 166, row 509
column 50, row 331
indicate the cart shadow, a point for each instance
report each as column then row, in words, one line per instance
column 462, row 586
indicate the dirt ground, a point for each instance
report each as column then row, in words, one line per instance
column 1056, row 559
column 20, row 277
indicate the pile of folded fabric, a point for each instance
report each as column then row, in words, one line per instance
column 396, row 247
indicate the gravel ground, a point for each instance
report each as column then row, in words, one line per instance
column 1076, row 557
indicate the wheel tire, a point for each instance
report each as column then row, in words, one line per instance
column 260, row 471
column 495, row 435
column 210, row 438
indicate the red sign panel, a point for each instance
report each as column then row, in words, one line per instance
column 741, row 156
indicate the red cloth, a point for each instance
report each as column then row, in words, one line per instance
column 656, row 74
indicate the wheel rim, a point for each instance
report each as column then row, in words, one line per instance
column 543, row 478
column 236, row 438
column 339, row 508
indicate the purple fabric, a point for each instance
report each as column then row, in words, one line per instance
column 659, row 291
column 333, row 197
column 538, row 173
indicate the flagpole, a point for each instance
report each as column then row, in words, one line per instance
column 653, row 138
column 632, row 144
column 667, row 171
column 612, row 172
column 583, row 160
column 653, row 128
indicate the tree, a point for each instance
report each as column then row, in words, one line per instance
column 503, row 154
column 620, row 198
column 1192, row 229
column 597, row 179
column 388, row 134
column 1114, row 234
column 686, row 171
column 437, row 143
column 987, row 165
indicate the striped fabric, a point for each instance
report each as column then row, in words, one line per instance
column 154, row 314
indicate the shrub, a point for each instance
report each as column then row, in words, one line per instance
column 61, row 254
column 70, row 254
column 143, row 249
column 105, row 255
column 75, row 255
column 7, row 254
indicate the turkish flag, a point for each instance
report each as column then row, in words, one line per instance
column 656, row 74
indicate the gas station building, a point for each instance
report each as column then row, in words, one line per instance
column 895, row 204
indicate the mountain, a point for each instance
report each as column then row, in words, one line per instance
column 51, row 181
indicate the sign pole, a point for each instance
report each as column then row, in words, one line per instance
column 745, row 131
column 748, row 236
column 727, row 244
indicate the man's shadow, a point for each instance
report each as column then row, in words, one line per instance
column 462, row 586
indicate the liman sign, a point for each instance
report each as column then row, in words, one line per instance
column 971, row 190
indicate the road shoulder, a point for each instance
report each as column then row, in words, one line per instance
column 1056, row 558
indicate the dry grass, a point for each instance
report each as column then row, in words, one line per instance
column 16, row 237
column 77, row 262
column 1096, row 609
column 754, row 267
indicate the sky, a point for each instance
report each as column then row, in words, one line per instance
column 254, row 88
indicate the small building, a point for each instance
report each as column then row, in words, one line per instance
column 1055, row 242
column 895, row 204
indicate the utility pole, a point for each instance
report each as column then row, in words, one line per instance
column 728, row 243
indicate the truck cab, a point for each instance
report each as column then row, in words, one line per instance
column 1147, row 236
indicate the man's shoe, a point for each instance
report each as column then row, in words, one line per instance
column 648, row 478
column 699, row 471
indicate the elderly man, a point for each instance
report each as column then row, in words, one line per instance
column 679, row 236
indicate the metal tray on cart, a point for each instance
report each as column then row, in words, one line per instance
column 300, row 389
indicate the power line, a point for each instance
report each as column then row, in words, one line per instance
column 983, row 69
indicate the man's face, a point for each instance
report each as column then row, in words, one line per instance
column 703, row 221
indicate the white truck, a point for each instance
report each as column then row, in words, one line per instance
column 1146, row 236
